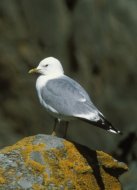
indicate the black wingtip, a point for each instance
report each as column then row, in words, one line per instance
column 120, row 133
column 108, row 126
column 115, row 131
column 103, row 124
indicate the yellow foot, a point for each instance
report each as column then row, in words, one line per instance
column 53, row 133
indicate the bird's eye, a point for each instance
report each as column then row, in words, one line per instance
column 46, row 65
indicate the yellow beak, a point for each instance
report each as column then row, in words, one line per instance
column 35, row 70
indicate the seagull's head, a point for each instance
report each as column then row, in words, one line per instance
column 48, row 66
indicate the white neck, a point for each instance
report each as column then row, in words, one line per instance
column 52, row 76
column 43, row 79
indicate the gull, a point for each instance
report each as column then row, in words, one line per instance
column 64, row 98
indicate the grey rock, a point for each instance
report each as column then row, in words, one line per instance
column 52, row 163
column 52, row 141
column 25, row 183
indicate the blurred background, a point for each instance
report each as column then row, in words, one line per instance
column 96, row 42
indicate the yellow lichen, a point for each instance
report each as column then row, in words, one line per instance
column 27, row 150
column 19, row 145
column 26, row 153
column 80, row 164
column 36, row 166
column 2, row 178
column 108, row 180
column 65, row 166
column 68, row 166
column 38, row 187
column 108, row 161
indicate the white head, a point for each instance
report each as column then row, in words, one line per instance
column 49, row 66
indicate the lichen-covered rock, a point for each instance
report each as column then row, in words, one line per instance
column 45, row 162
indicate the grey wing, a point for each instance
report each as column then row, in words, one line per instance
column 68, row 98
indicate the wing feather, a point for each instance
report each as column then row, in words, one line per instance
column 68, row 98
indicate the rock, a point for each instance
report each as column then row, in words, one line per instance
column 45, row 162
column 129, row 179
column 97, row 48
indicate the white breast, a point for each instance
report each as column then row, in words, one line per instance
column 40, row 84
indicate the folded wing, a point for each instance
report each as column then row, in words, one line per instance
column 68, row 98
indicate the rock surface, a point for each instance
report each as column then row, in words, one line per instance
column 96, row 43
column 45, row 162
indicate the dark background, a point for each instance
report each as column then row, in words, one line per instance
column 96, row 41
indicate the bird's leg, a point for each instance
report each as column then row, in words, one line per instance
column 66, row 129
column 54, row 128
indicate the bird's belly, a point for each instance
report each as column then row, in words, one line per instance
column 55, row 113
